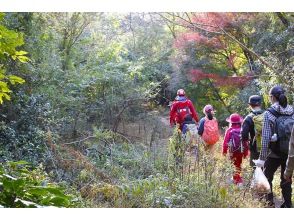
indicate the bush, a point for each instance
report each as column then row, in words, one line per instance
column 196, row 183
column 22, row 129
column 22, row 186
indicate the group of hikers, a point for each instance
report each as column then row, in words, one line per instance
column 266, row 135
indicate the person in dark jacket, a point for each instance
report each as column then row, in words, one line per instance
column 290, row 162
column 248, row 130
column 269, row 159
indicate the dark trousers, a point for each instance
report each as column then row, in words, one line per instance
column 270, row 167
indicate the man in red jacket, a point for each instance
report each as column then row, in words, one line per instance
column 182, row 110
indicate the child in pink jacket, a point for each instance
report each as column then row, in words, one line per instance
column 232, row 143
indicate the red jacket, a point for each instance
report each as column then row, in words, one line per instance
column 181, row 105
column 227, row 139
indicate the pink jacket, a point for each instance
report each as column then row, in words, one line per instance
column 227, row 139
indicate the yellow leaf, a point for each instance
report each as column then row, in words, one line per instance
column 21, row 52
column 23, row 59
column 3, row 95
column 15, row 79
column 4, row 87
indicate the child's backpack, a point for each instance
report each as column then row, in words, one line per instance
column 211, row 133
column 235, row 140
column 257, row 119
column 283, row 129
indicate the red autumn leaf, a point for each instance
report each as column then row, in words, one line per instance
column 196, row 75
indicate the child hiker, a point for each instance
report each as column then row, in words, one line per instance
column 208, row 128
column 232, row 143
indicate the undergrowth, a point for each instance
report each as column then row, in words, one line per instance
column 134, row 175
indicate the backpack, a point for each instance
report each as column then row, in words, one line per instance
column 235, row 140
column 183, row 113
column 258, row 123
column 210, row 134
column 283, row 128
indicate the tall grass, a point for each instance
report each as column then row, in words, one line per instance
column 153, row 178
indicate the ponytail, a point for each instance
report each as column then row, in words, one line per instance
column 279, row 93
column 209, row 115
column 282, row 100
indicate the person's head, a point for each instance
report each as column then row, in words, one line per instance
column 208, row 111
column 235, row 119
column 277, row 94
column 181, row 92
column 254, row 101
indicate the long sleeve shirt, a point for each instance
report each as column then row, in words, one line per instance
column 290, row 161
column 268, row 129
column 181, row 104
column 228, row 137
column 248, row 131
column 201, row 126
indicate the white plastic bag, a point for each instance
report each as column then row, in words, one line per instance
column 260, row 183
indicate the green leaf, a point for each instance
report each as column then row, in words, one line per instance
column 21, row 52
column 4, row 95
column 59, row 201
column 23, row 59
column 21, row 162
column 4, row 87
column 45, row 190
column 223, row 192
column 15, row 79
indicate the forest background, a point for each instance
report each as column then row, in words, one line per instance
column 84, row 102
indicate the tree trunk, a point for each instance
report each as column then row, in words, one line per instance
column 219, row 96
column 250, row 60
column 283, row 19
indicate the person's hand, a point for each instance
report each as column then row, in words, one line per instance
column 259, row 163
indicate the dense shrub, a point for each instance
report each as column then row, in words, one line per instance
column 22, row 186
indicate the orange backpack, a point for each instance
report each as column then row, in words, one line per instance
column 210, row 134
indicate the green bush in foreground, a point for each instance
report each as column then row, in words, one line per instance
column 21, row 187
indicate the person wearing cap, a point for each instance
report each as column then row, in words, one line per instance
column 208, row 128
column 248, row 131
column 269, row 159
column 182, row 110
column 236, row 156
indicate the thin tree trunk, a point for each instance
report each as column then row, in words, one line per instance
column 283, row 19
column 219, row 96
